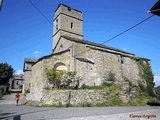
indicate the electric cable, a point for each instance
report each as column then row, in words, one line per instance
column 120, row 33
column 40, row 12
column 104, row 41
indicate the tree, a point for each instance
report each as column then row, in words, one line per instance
column 54, row 76
column 6, row 72
column 157, row 90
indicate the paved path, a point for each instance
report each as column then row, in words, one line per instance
column 8, row 111
column 12, row 112
column 9, row 98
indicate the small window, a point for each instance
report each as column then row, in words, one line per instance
column 71, row 25
column 61, row 46
column 56, row 27
column 69, row 9
column 57, row 24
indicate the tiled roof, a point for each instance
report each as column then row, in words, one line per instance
column 94, row 44
column 18, row 77
column 30, row 60
column 47, row 56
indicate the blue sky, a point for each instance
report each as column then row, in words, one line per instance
column 24, row 32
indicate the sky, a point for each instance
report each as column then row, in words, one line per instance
column 26, row 33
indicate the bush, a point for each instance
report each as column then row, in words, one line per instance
column 54, row 76
column 141, row 86
column 146, row 74
column 110, row 80
column 92, row 87
column 157, row 91
column 70, row 80
column 2, row 90
column 26, row 91
column 115, row 101
column 62, row 79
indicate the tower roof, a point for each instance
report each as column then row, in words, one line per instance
column 66, row 6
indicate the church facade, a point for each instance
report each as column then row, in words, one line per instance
column 93, row 62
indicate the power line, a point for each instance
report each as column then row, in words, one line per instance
column 104, row 41
column 120, row 33
column 128, row 29
column 40, row 12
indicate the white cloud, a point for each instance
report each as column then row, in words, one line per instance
column 157, row 80
column 125, row 49
column 19, row 72
column 36, row 53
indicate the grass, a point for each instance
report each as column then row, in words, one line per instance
column 141, row 98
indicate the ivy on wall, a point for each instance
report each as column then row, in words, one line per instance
column 145, row 73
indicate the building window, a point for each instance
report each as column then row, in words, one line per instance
column 61, row 47
column 69, row 9
column 17, row 83
column 71, row 25
column 57, row 24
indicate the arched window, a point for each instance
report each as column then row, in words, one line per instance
column 60, row 66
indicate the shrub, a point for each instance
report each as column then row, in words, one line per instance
column 145, row 73
column 110, row 80
column 92, row 87
column 54, row 76
column 115, row 101
column 157, row 91
column 26, row 91
column 62, row 79
column 2, row 89
column 141, row 86
column 70, row 80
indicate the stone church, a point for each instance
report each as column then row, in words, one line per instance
column 93, row 62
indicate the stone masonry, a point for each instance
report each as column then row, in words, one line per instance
column 92, row 62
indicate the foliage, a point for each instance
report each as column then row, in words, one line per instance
column 157, row 91
column 2, row 89
column 115, row 101
column 54, row 76
column 92, row 87
column 140, row 99
column 154, row 103
column 146, row 73
column 62, row 79
column 6, row 72
column 26, row 91
column 70, row 80
column 141, row 86
column 114, row 90
column 110, row 80
column 86, row 105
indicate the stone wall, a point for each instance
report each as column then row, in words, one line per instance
column 74, row 97
column 103, row 62
column 130, row 70
column 93, row 66
column 27, row 78
column 39, row 80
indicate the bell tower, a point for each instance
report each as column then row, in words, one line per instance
column 67, row 22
